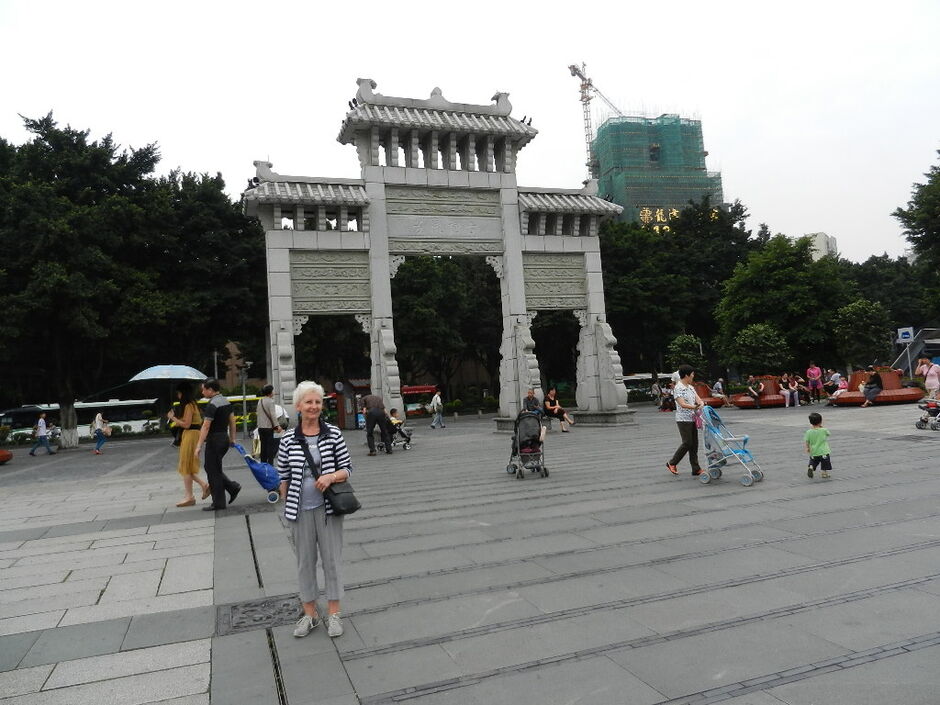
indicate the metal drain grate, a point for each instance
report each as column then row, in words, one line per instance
column 257, row 614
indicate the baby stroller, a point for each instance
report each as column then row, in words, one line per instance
column 527, row 446
column 931, row 416
column 401, row 436
column 721, row 445
column 265, row 474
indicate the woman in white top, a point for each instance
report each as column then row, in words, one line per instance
column 100, row 431
column 687, row 403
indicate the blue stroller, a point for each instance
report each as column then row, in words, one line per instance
column 265, row 474
column 721, row 445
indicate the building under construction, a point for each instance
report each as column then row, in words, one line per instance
column 653, row 167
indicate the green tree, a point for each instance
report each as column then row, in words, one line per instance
column 903, row 287
column 447, row 310
column 705, row 243
column 637, row 285
column 105, row 272
column 758, row 348
column 862, row 332
column 781, row 285
column 685, row 349
column 921, row 218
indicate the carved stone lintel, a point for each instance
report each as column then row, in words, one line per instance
column 496, row 262
column 394, row 262
column 365, row 320
column 582, row 316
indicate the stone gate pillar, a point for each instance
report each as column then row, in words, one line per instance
column 518, row 370
column 601, row 395
column 384, row 379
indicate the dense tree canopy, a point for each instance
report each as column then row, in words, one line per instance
column 107, row 270
column 921, row 218
column 862, row 333
column 781, row 285
column 447, row 311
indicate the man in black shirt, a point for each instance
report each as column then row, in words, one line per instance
column 217, row 434
column 373, row 408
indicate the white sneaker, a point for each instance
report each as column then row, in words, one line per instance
column 305, row 625
column 334, row 627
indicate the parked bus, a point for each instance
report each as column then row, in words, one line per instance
column 139, row 414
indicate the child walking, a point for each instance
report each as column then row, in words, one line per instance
column 816, row 440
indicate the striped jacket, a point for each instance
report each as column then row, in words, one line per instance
column 291, row 459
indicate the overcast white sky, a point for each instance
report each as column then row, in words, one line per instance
column 820, row 115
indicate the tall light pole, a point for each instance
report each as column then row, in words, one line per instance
column 243, row 373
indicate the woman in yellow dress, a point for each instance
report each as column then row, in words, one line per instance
column 190, row 422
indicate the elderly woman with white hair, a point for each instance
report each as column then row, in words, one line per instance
column 316, row 530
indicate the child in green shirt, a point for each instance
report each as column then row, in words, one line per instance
column 816, row 440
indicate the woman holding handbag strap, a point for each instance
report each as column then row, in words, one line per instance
column 189, row 422
column 316, row 529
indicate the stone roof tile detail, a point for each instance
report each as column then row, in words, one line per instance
column 566, row 203
column 364, row 115
column 300, row 193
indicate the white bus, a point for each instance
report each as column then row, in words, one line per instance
column 136, row 414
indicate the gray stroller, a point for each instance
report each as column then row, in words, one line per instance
column 527, row 446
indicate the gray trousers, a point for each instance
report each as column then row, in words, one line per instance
column 313, row 534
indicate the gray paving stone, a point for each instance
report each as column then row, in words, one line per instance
column 388, row 672
column 130, row 690
column 169, row 627
column 79, row 641
column 186, row 573
column 14, row 647
column 132, row 586
column 23, row 681
column 724, row 657
column 130, row 608
column 128, row 663
column 24, row 534
column 911, row 679
column 241, row 670
column 84, row 527
column 440, row 618
column 311, row 668
column 31, row 622
column 234, row 576
column 547, row 640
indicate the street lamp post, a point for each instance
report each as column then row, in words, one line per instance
column 243, row 373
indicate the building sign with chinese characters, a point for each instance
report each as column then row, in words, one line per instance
column 657, row 218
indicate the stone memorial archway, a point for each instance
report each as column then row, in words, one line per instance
column 438, row 178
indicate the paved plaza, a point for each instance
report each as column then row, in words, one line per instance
column 611, row 581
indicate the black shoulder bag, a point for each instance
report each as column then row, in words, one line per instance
column 340, row 495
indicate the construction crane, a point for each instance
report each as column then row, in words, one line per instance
column 588, row 91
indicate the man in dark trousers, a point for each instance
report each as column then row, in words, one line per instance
column 373, row 408
column 217, row 434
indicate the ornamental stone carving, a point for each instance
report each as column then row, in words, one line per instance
column 394, row 262
column 554, row 281
column 365, row 321
column 496, row 262
column 444, row 247
column 299, row 322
